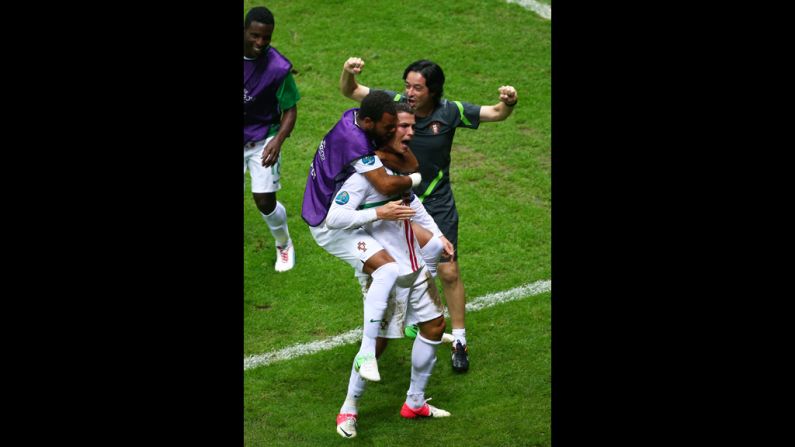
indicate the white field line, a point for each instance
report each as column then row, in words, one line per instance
column 541, row 9
column 352, row 336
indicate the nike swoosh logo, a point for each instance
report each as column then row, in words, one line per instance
column 346, row 433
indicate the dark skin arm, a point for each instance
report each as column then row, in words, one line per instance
column 404, row 162
column 271, row 152
column 386, row 184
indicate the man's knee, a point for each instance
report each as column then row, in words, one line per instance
column 266, row 201
column 448, row 272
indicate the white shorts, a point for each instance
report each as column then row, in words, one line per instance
column 414, row 299
column 352, row 246
column 262, row 179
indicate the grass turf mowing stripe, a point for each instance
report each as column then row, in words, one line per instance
column 354, row 335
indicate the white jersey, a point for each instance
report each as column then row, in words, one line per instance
column 354, row 206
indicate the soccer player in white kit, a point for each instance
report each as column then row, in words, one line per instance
column 347, row 148
column 414, row 296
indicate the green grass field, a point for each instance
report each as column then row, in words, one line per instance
column 501, row 180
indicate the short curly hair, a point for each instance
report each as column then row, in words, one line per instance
column 375, row 104
column 259, row 14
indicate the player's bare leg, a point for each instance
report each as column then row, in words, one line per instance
column 454, row 296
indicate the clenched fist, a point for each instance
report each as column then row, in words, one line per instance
column 353, row 65
column 508, row 95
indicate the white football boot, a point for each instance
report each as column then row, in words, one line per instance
column 285, row 258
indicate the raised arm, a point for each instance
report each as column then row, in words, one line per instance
column 348, row 85
column 502, row 109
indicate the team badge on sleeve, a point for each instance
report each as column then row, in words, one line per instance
column 342, row 198
column 368, row 159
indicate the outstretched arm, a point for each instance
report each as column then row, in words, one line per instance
column 502, row 109
column 348, row 85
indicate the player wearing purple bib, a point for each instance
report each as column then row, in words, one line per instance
column 414, row 298
column 347, row 148
column 270, row 99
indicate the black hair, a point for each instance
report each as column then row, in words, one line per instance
column 433, row 74
column 375, row 104
column 403, row 107
column 259, row 14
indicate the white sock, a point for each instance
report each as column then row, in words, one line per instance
column 277, row 222
column 423, row 357
column 364, row 282
column 460, row 335
column 356, row 387
column 431, row 252
column 367, row 346
column 375, row 304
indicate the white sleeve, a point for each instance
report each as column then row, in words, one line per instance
column 366, row 164
column 423, row 218
column 343, row 213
